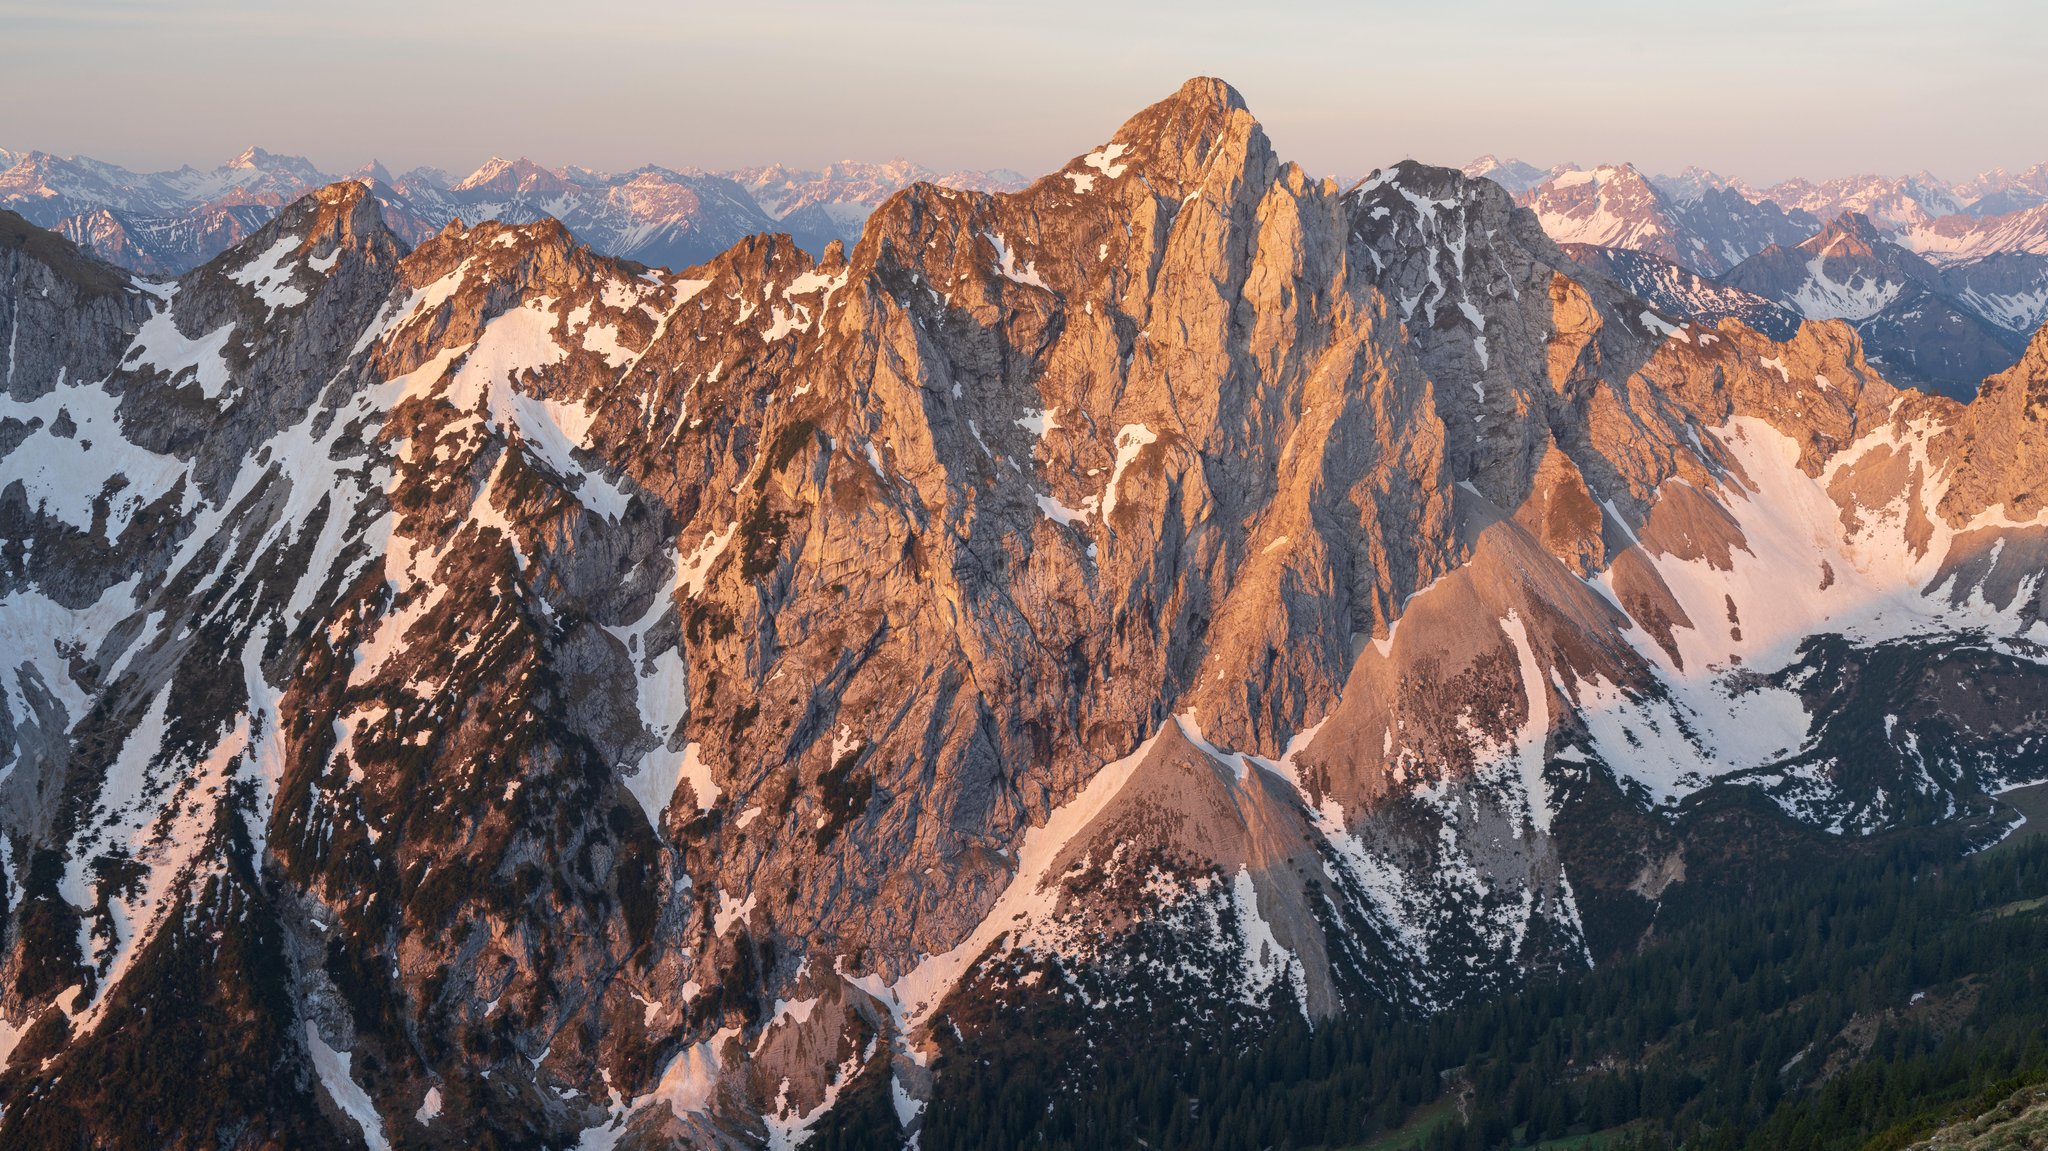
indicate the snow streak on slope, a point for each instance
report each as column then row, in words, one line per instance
column 1030, row 898
column 1823, row 298
column 1795, row 573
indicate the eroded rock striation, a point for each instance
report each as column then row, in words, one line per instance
column 484, row 689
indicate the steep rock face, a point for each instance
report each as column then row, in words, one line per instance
column 68, row 314
column 501, row 692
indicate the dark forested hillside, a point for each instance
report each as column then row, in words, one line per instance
column 1852, row 1005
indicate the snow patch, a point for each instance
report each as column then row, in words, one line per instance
column 1006, row 263
column 332, row 1067
column 1130, row 440
column 270, row 277
column 1103, row 160
column 731, row 911
column 696, row 569
column 201, row 360
column 1054, row 510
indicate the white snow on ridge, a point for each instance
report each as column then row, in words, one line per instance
column 1039, row 421
column 813, row 281
column 1051, row 507
column 2014, row 311
column 662, row 684
column 1661, row 327
column 600, row 336
column 796, row 319
column 1267, row 960
column 1796, row 575
column 692, row 572
column 687, row 1086
column 269, row 275
column 1527, row 750
column 519, row 341
column 1955, row 238
column 34, row 644
column 147, row 809
column 397, row 315
column 732, row 911
column 789, row 1126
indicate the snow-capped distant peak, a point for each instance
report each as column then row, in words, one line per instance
column 490, row 170
column 1514, row 175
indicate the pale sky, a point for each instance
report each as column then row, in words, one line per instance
column 1760, row 90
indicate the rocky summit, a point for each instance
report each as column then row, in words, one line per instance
column 482, row 692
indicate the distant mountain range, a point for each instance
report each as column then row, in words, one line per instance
column 165, row 223
column 1945, row 282
column 1916, row 322
column 1974, row 254
column 1894, row 203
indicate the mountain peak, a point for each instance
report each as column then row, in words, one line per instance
column 1691, row 184
column 1176, row 139
column 490, row 170
column 1596, row 180
column 501, row 175
column 1514, row 175
column 1203, row 101
column 254, row 159
column 1209, row 92
column 1851, row 233
column 340, row 215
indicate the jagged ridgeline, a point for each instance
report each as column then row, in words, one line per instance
column 485, row 693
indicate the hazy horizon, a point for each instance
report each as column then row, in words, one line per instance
column 1819, row 89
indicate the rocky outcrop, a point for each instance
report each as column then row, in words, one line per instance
column 503, row 692
column 68, row 314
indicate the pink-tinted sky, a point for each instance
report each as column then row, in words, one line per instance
column 1753, row 89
